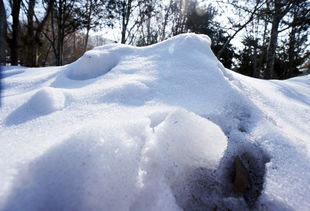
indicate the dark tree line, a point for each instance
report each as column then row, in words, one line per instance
column 265, row 55
column 273, row 34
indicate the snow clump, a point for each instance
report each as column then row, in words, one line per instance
column 47, row 100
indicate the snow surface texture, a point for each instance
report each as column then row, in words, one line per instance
column 153, row 128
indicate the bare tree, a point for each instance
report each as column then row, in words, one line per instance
column 124, row 11
column 277, row 10
column 147, row 23
column 167, row 13
column 91, row 15
column 63, row 22
column 34, row 31
column 251, row 13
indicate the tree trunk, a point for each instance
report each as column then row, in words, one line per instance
column 86, row 38
column 255, row 72
column 291, row 52
column 61, row 50
column 33, row 34
column 3, row 34
column 167, row 13
column 53, row 41
column 60, row 37
column 271, row 50
column 123, row 38
column 263, row 52
column 30, row 44
column 90, row 11
column 281, row 8
column 126, row 12
column 15, row 25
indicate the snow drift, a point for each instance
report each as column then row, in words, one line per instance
column 153, row 128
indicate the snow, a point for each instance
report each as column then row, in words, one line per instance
column 152, row 128
column 93, row 64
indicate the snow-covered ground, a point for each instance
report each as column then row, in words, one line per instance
column 153, row 128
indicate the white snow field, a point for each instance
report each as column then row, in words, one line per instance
column 152, row 128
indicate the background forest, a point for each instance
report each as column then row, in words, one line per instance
column 259, row 38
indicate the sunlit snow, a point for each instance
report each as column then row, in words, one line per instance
column 151, row 128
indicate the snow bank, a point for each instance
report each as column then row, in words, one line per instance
column 153, row 128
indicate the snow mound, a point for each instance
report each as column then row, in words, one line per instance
column 190, row 140
column 96, row 62
column 93, row 64
column 43, row 102
column 47, row 100
column 162, row 127
column 180, row 44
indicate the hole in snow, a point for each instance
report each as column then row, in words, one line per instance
column 242, row 169
column 235, row 185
